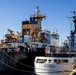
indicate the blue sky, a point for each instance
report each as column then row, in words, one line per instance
column 13, row 12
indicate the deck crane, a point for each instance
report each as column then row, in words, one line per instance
column 11, row 32
column 12, row 37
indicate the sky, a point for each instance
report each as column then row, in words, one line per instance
column 13, row 12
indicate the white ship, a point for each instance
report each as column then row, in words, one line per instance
column 32, row 34
column 60, row 62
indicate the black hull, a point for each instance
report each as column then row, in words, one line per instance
column 26, row 58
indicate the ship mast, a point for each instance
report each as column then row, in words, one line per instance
column 74, row 20
column 39, row 17
column 72, row 34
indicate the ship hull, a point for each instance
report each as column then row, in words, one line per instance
column 18, row 62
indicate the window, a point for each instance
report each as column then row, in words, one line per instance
column 49, row 61
column 42, row 33
column 63, row 61
column 47, row 34
column 57, row 61
column 20, row 36
column 41, row 60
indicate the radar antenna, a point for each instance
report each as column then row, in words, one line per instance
column 73, row 12
column 37, row 10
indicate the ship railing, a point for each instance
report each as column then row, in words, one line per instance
column 58, row 51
